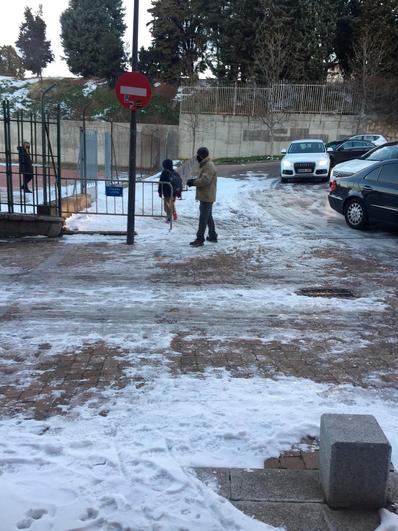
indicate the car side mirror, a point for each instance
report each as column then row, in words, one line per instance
column 283, row 151
column 329, row 150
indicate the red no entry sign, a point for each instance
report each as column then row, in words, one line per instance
column 133, row 90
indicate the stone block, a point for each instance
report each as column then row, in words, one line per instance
column 311, row 460
column 275, row 485
column 292, row 462
column 272, row 462
column 18, row 225
column 354, row 460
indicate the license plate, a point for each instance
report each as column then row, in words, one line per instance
column 304, row 170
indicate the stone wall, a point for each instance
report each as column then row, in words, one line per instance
column 154, row 143
column 237, row 136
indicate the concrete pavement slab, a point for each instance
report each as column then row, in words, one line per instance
column 276, row 485
column 309, row 516
column 291, row 516
column 392, row 488
column 216, row 478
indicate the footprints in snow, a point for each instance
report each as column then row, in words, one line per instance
column 31, row 516
column 89, row 514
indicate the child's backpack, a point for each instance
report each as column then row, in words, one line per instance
column 176, row 182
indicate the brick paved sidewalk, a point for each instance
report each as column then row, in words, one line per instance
column 76, row 287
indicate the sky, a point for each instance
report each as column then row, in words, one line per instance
column 11, row 20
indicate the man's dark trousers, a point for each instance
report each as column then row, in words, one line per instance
column 206, row 220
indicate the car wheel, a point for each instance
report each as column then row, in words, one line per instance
column 284, row 180
column 355, row 214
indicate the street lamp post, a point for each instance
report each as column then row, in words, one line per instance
column 133, row 138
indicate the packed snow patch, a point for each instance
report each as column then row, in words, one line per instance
column 389, row 521
column 131, row 468
column 16, row 91
column 89, row 87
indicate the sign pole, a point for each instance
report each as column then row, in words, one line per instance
column 133, row 139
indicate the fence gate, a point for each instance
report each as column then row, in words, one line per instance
column 102, row 189
column 44, row 180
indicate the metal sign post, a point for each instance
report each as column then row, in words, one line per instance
column 133, row 139
column 133, row 90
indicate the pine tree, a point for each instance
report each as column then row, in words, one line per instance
column 274, row 59
column 92, row 36
column 149, row 63
column 315, row 28
column 35, row 49
column 179, row 38
column 231, row 31
column 381, row 17
column 10, row 62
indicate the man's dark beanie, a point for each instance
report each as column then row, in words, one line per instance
column 203, row 153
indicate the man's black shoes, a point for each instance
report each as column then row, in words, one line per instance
column 197, row 243
column 214, row 240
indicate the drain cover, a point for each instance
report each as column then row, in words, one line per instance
column 326, row 292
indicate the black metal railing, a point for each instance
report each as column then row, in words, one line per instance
column 44, row 138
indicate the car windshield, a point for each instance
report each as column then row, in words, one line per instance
column 383, row 153
column 307, row 147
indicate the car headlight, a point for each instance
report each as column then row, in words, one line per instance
column 323, row 162
column 286, row 164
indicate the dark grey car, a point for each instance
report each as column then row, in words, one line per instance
column 371, row 195
column 351, row 149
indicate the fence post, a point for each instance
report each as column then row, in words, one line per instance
column 235, row 96
column 254, row 100
column 59, row 182
column 323, row 99
column 83, row 182
column 7, row 142
column 302, row 98
column 43, row 147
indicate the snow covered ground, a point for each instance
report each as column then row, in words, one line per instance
column 123, row 459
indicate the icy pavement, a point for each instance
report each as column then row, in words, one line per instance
column 122, row 368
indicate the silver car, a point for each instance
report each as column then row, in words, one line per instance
column 377, row 140
column 305, row 159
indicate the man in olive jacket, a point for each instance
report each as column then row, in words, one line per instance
column 206, row 190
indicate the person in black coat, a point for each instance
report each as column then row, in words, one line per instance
column 25, row 166
column 169, row 175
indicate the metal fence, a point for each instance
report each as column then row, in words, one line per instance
column 331, row 98
column 96, row 200
column 39, row 192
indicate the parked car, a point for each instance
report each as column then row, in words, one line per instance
column 377, row 140
column 335, row 143
column 348, row 150
column 378, row 154
column 305, row 159
column 371, row 195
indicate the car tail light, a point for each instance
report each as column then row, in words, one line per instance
column 333, row 186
